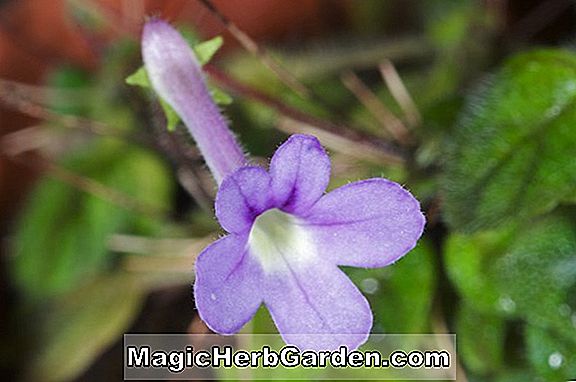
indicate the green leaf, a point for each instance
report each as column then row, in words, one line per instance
column 550, row 355
column 480, row 340
column 61, row 238
column 440, row 117
column 468, row 259
column 74, row 84
column 526, row 272
column 512, row 156
column 519, row 375
column 392, row 311
column 220, row 96
column 172, row 118
column 204, row 52
column 389, row 288
column 538, row 271
column 207, row 49
column 83, row 324
column 451, row 25
column 262, row 322
column 139, row 78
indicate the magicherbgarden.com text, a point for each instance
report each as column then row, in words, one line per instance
column 289, row 356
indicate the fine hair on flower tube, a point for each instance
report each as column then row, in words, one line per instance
column 286, row 237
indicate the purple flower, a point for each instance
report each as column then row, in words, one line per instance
column 286, row 237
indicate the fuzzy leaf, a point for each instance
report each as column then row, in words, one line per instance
column 389, row 288
column 62, row 235
column 512, row 156
column 467, row 259
column 82, row 325
column 480, row 340
column 538, row 272
column 551, row 356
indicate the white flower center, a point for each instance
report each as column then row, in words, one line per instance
column 279, row 241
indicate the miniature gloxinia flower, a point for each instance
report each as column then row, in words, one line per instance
column 286, row 237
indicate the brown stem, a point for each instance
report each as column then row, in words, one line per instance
column 390, row 122
column 344, row 133
column 174, row 146
column 91, row 186
column 251, row 46
column 400, row 93
column 17, row 96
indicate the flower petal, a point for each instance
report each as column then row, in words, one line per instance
column 370, row 223
column 242, row 197
column 300, row 171
column 316, row 306
column 227, row 286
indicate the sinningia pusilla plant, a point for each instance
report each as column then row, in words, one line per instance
column 286, row 237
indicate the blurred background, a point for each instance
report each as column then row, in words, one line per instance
column 105, row 202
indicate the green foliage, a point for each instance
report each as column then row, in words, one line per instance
column 455, row 23
column 207, row 49
column 468, row 259
column 139, row 78
column 512, row 156
column 388, row 289
column 525, row 272
column 537, row 272
column 480, row 339
column 62, row 234
column 449, row 27
column 438, row 118
column 72, row 84
column 552, row 356
column 515, row 376
column 392, row 312
column 82, row 324
column 510, row 161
